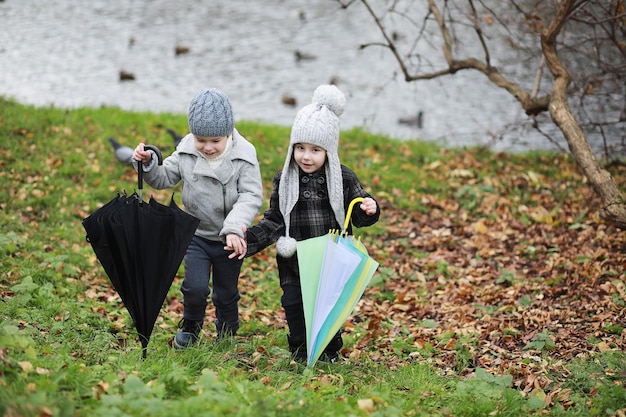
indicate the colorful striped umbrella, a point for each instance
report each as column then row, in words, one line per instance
column 335, row 269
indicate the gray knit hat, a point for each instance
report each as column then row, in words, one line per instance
column 210, row 114
column 317, row 124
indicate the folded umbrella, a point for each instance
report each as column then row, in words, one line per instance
column 334, row 271
column 140, row 246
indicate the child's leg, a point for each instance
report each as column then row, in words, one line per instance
column 331, row 352
column 289, row 274
column 195, row 289
column 225, row 290
column 195, row 286
column 294, row 313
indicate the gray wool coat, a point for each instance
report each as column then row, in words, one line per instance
column 223, row 200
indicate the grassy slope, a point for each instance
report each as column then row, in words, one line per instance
column 489, row 262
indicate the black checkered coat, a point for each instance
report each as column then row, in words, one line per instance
column 311, row 217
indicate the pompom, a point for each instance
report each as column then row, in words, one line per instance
column 286, row 246
column 331, row 97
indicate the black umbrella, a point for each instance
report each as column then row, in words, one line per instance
column 140, row 245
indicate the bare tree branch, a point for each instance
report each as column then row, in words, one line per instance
column 538, row 74
column 582, row 44
column 600, row 180
column 479, row 33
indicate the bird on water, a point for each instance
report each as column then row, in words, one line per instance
column 415, row 121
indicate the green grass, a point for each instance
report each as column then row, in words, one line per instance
column 67, row 347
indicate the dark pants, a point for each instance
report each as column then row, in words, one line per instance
column 203, row 259
column 294, row 313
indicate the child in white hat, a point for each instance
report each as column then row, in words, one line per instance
column 310, row 197
column 223, row 188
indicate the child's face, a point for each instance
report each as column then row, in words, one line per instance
column 211, row 146
column 309, row 157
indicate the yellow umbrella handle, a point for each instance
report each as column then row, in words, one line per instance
column 352, row 203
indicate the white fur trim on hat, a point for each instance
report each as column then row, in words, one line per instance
column 286, row 246
column 331, row 97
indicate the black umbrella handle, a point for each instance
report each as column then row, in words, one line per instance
column 140, row 167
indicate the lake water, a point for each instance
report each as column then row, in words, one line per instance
column 70, row 53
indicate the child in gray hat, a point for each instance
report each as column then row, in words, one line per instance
column 310, row 197
column 222, row 188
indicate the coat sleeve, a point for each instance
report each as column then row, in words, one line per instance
column 270, row 227
column 249, row 200
column 352, row 189
column 163, row 176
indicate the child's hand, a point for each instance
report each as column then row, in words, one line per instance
column 369, row 206
column 237, row 244
column 142, row 155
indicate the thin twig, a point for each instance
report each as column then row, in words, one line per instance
column 479, row 33
column 538, row 75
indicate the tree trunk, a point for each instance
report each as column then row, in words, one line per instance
column 601, row 181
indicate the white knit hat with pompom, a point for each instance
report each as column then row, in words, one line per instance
column 317, row 124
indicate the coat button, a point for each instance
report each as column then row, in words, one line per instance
column 321, row 194
column 321, row 180
column 306, row 194
column 305, row 180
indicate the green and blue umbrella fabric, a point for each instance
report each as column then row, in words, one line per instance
column 335, row 269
